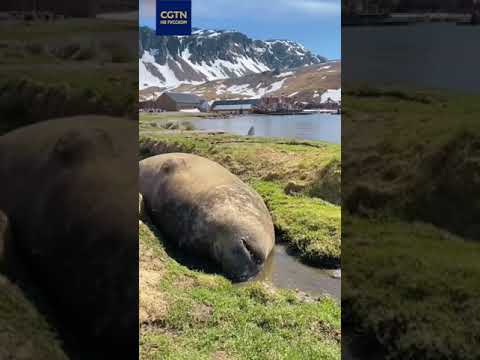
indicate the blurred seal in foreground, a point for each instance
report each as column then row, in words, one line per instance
column 69, row 188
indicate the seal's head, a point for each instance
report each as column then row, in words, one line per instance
column 244, row 240
column 242, row 256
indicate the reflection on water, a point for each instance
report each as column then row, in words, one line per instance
column 324, row 127
column 286, row 271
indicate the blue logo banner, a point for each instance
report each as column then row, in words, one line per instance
column 174, row 17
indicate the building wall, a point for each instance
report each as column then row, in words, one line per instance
column 181, row 106
column 166, row 103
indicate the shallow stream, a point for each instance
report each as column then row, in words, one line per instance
column 288, row 272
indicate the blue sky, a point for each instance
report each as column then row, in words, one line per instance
column 314, row 23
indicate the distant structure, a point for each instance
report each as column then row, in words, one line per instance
column 148, row 106
column 84, row 8
column 171, row 101
column 234, row 106
column 276, row 104
column 330, row 104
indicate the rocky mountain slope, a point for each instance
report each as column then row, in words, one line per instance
column 313, row 84
column 208, row 55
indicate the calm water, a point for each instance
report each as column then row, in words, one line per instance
column 288, row 272
column 307, row 127
column 439, row 55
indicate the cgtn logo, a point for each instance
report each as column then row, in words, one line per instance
column 174, row 17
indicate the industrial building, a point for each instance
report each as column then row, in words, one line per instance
column 171, row 101
column 234, row 106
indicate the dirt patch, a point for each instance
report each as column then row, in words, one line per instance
column 220, row 355
column 153, row 307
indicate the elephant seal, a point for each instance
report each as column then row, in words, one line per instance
column 70, row 188
column 204, row 209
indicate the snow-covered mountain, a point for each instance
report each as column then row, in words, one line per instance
column 313, row 84
column 208, row 55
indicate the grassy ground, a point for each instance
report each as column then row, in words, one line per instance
column 189, row 315
column 413, row 287
column 284, row 172
column 24, row 333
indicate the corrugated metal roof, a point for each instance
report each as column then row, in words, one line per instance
column 184, row 98
column 235, row 102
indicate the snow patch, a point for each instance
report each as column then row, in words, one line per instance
column 285, row 74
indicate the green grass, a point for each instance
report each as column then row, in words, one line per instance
column 311, row 227
column 189, row 315
column 413, row 288
column 24, row 333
